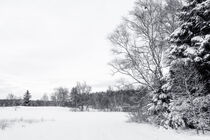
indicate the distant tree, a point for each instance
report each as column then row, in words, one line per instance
column 11, row 96
column 83, row 88
column 12, row 99
column 61, row 95
column 80, row 95
column 26, row 98
column 53, row 98
column 45, row 97
column 112, row 97
column 74, row 97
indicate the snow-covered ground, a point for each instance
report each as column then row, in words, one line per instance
column 56, row 123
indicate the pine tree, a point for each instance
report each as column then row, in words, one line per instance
column 189, row 56
column 26, row 98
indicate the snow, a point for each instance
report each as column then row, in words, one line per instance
column 198, row 59
column 197, row 39
column 54, row 123
column 200, row 6
column 176, row 32
column 206, row 57
column 190, row 51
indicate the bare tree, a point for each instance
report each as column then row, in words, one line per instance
column 84, row 90
column 11, row 96
column 140, row 41
column 171, row 16
column 45, row 97
column 61, row 95
column 53, row 97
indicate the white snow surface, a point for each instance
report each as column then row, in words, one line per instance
column 57, row 123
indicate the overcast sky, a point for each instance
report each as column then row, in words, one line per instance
column 45, row 44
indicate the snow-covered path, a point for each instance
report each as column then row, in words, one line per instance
column 55, row 123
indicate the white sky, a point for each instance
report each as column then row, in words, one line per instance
column 45, row 44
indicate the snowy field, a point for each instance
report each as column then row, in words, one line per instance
column 56, row 123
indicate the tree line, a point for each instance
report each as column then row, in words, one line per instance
column 81, row 98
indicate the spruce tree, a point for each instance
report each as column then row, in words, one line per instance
column 191, row 41
column 189, row 57
column 26, row 98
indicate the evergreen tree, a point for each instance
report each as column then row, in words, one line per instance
column 26, row 98
column 191, row 41
column 159, row 106
column 189, row 55
column 74, row 97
